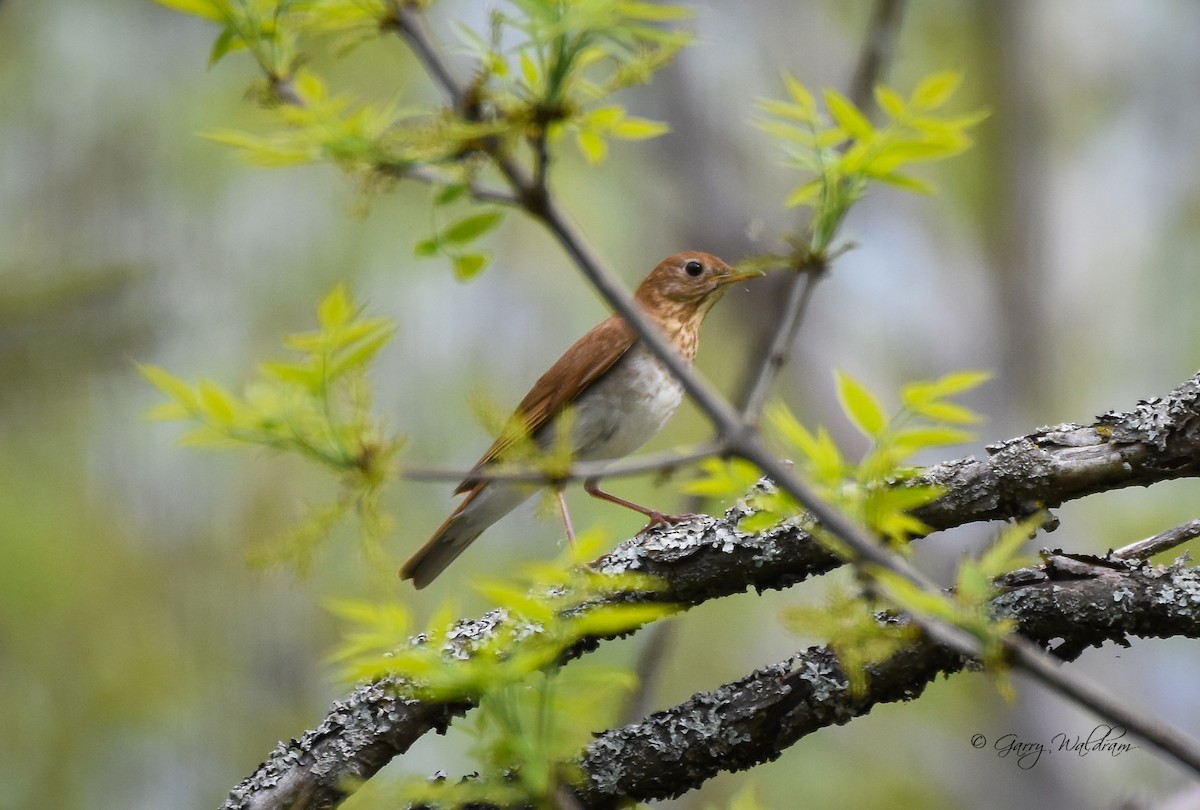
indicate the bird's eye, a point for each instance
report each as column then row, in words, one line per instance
column 694, row 268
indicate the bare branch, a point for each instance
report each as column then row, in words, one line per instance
column 1163, row 541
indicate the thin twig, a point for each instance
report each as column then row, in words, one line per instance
column 878, row 46
column 799, row 294
column 650, row 662
column 407, row 24
column 665, row 461
column 1163, row 541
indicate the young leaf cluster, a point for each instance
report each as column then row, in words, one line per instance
column 567, row 59
column 966, row 605
column 844, row 152
column 316, row 405
column 532, row 719
column 853, row 631
column 453, row 240
column 878, row 490
column 545, row 68
column 880, row 493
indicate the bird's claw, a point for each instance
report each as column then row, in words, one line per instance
column 659, row 519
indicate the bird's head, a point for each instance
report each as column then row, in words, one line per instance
column 687, row 284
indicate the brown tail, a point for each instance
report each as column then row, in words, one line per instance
column 484, row 505
column 450, row 540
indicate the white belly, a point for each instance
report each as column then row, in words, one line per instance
column 626, row 407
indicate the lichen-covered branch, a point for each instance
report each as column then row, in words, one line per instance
column 708, row 558
column 1082, row 601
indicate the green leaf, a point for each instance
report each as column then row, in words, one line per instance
column 784, row 109
column 335, row 308
column 638, row 129
column 168, row 412
column 805, row 194
column 653, row 12
column 804, row 99
column 207, row 9
column 957, row 382
column 1004, row 554
column 723, row 478
column 529, row 70
column 448, row 194
column 471, row 227
column 226, row 41
column 468, row 265
column 911, row 440
column 360, row 354
column 517, row 600
column 170, row 385
column 904, row 182
column 891, row 102
column 615, row 619
column 592, row 145
column 848, row 116
column 947, row 412
column 861, row 406
column 428, row 247
column 760, row 521
column 302, row 374
column 934, row 91
column 218, row 403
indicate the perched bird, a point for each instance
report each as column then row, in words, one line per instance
column 619, row 394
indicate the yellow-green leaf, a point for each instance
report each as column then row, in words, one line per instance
column 638, row 129
column 360, row 353
column 227, row 41
column 904, row 182
column 529, row 70
column 801, row 96
column 200, row 8
column 945, row 386
column 948, row 412
column 910, row 440
column 653, row 12
column 861, row 406
column 891, row 102
column 218, row 403
column 335, row 308
column 169, row 384
column 302, row 374
column 168, row 412
column 471, row 227
column 934, row 91
column 848, row 116
column 805, row 194
column 468, row 265
column 592, row 145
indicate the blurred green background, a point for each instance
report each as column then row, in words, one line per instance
column 144, row 665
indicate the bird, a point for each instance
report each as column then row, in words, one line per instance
column 610, row 390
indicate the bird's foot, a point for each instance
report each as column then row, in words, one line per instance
column 660, row 519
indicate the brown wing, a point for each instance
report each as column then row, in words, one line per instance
column 580, row 366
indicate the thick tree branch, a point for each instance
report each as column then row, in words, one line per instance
column 707, row 558
column 1085, row 601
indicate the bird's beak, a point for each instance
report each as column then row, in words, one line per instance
column 737, row 278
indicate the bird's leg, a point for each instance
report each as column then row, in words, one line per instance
column 566, row 516
column 591, row 487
